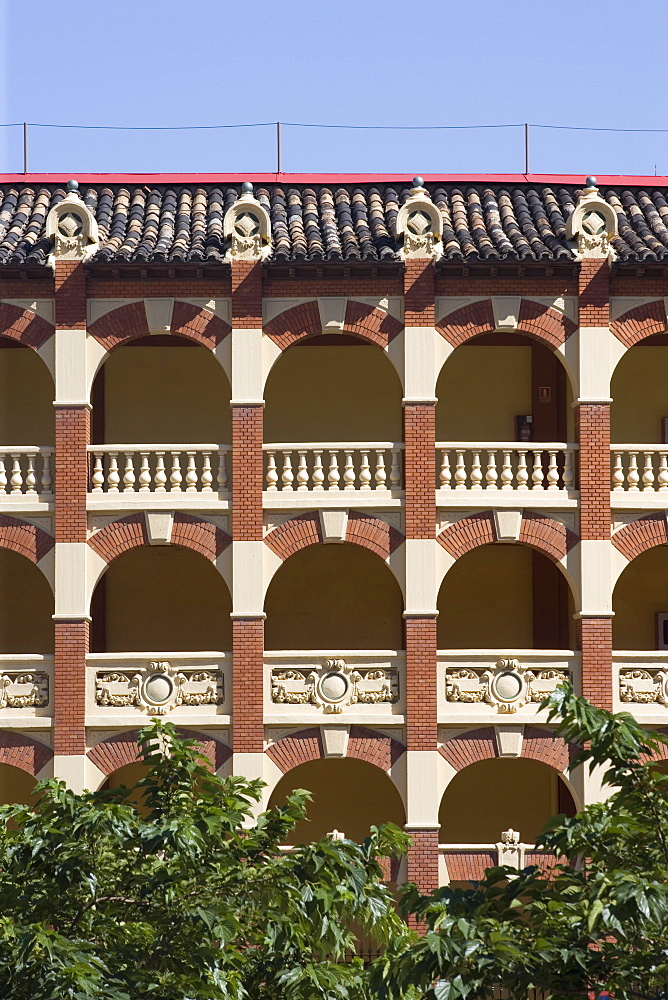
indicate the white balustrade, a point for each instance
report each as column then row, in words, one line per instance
column 505, row 465
column 639, row 468
column 151, row 468
column 318, row 467
column 26, row 471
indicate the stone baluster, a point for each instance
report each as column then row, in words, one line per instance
column 318, row 477
column 3, row 474
column 380, row 474
column 552, row 470
column 97, row 478
column 648, row 472
column 31, row 478
column 365, row 471
column 476, row 471
column 160, row 478
column 491, row 475
column 47, row 478
column 522, row 471
column 16, row 478
column 333, row 471
column 506, row 471
column 191, row 473
column 444, row 474
column 129, row 473
column 207, row 475
column 537, row 471
column 221, row 478
column 395, row 470
column 460, row 471
column 287, row 476
column 113, row 475
column 632, row 476
column 175, row 475
column 349, row 472
column 618, row 472
column 302, row 472
column 272, row 473
column 144, row 473
column 662, row 477
column 568, row 474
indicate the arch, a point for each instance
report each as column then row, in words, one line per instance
column 129, row 532
column 26, row 539
column 361, row 320
column 480, row 744
column 542, row 533
column 363, row 744
column 24, row 326
column 535, row 320
column 129, row 321
column 368, row 532
column 117, row 751
column 21, row 751
column 639, row 593
column 639, row 323
column 641, row 535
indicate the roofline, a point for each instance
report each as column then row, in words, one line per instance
column 571, row 180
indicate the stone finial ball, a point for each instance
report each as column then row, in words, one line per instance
column 73, row 185
column 591, row 182
column 246, row 187
column 418, row 182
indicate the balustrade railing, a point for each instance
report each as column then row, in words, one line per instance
column 26, row 471
column 301, row 467
column 639, row 467
column 493, row 465
column 164, row 468
column 467, row 862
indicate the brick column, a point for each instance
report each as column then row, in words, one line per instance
column 72, row 419
column 247, row 544
column 592, row 427
column 420, row 614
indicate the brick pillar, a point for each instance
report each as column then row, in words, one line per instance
column 592, row 427
column 247, row 544
column 72, row 419
column 420, row 614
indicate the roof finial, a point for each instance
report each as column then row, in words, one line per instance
column 72, row 186
column 246, row 187
column 591, row 185
column 418, row 185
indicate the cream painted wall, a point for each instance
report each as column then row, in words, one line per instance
column 480, row 391
column 333, row 394
column 486, row 599
column 155, row 395
column 641, row 591
column 348, row 795
column 639, row 396
column 26, row 606
column 491, row 796
column 16, row 785
column 26, row 399
column 165, row 598
column 333, row 597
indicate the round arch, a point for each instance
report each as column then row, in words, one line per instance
column 360, row 319
column 640, row 592
column 640, row 322
column 120, row 750
column 20, row 751
column 24, row 326
column 129, row 321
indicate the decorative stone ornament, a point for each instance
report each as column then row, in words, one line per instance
column 336, row 686
column 159, row 687
column 509, row 850
column 644, row 687
column 593, row 224
column 419, row 224
column 507, row 688
column 24, row 690
column 72, row 227
column 248, row 227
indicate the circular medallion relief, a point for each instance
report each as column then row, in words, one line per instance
column 507, row 686
column 333, row 687
column 158, row 689
column 70, row 224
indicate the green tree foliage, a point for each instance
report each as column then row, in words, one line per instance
column 187, row 897
column 598, row 922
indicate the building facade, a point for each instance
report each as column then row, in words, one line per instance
column 340, row 475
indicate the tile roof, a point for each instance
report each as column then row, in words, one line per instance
column 141, row 223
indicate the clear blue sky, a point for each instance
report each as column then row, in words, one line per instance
column 382, row 62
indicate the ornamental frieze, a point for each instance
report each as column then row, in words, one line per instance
column 335, row 686
column 27, row 689
column 644, row 687
column 507, row 688
column 159, row 688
